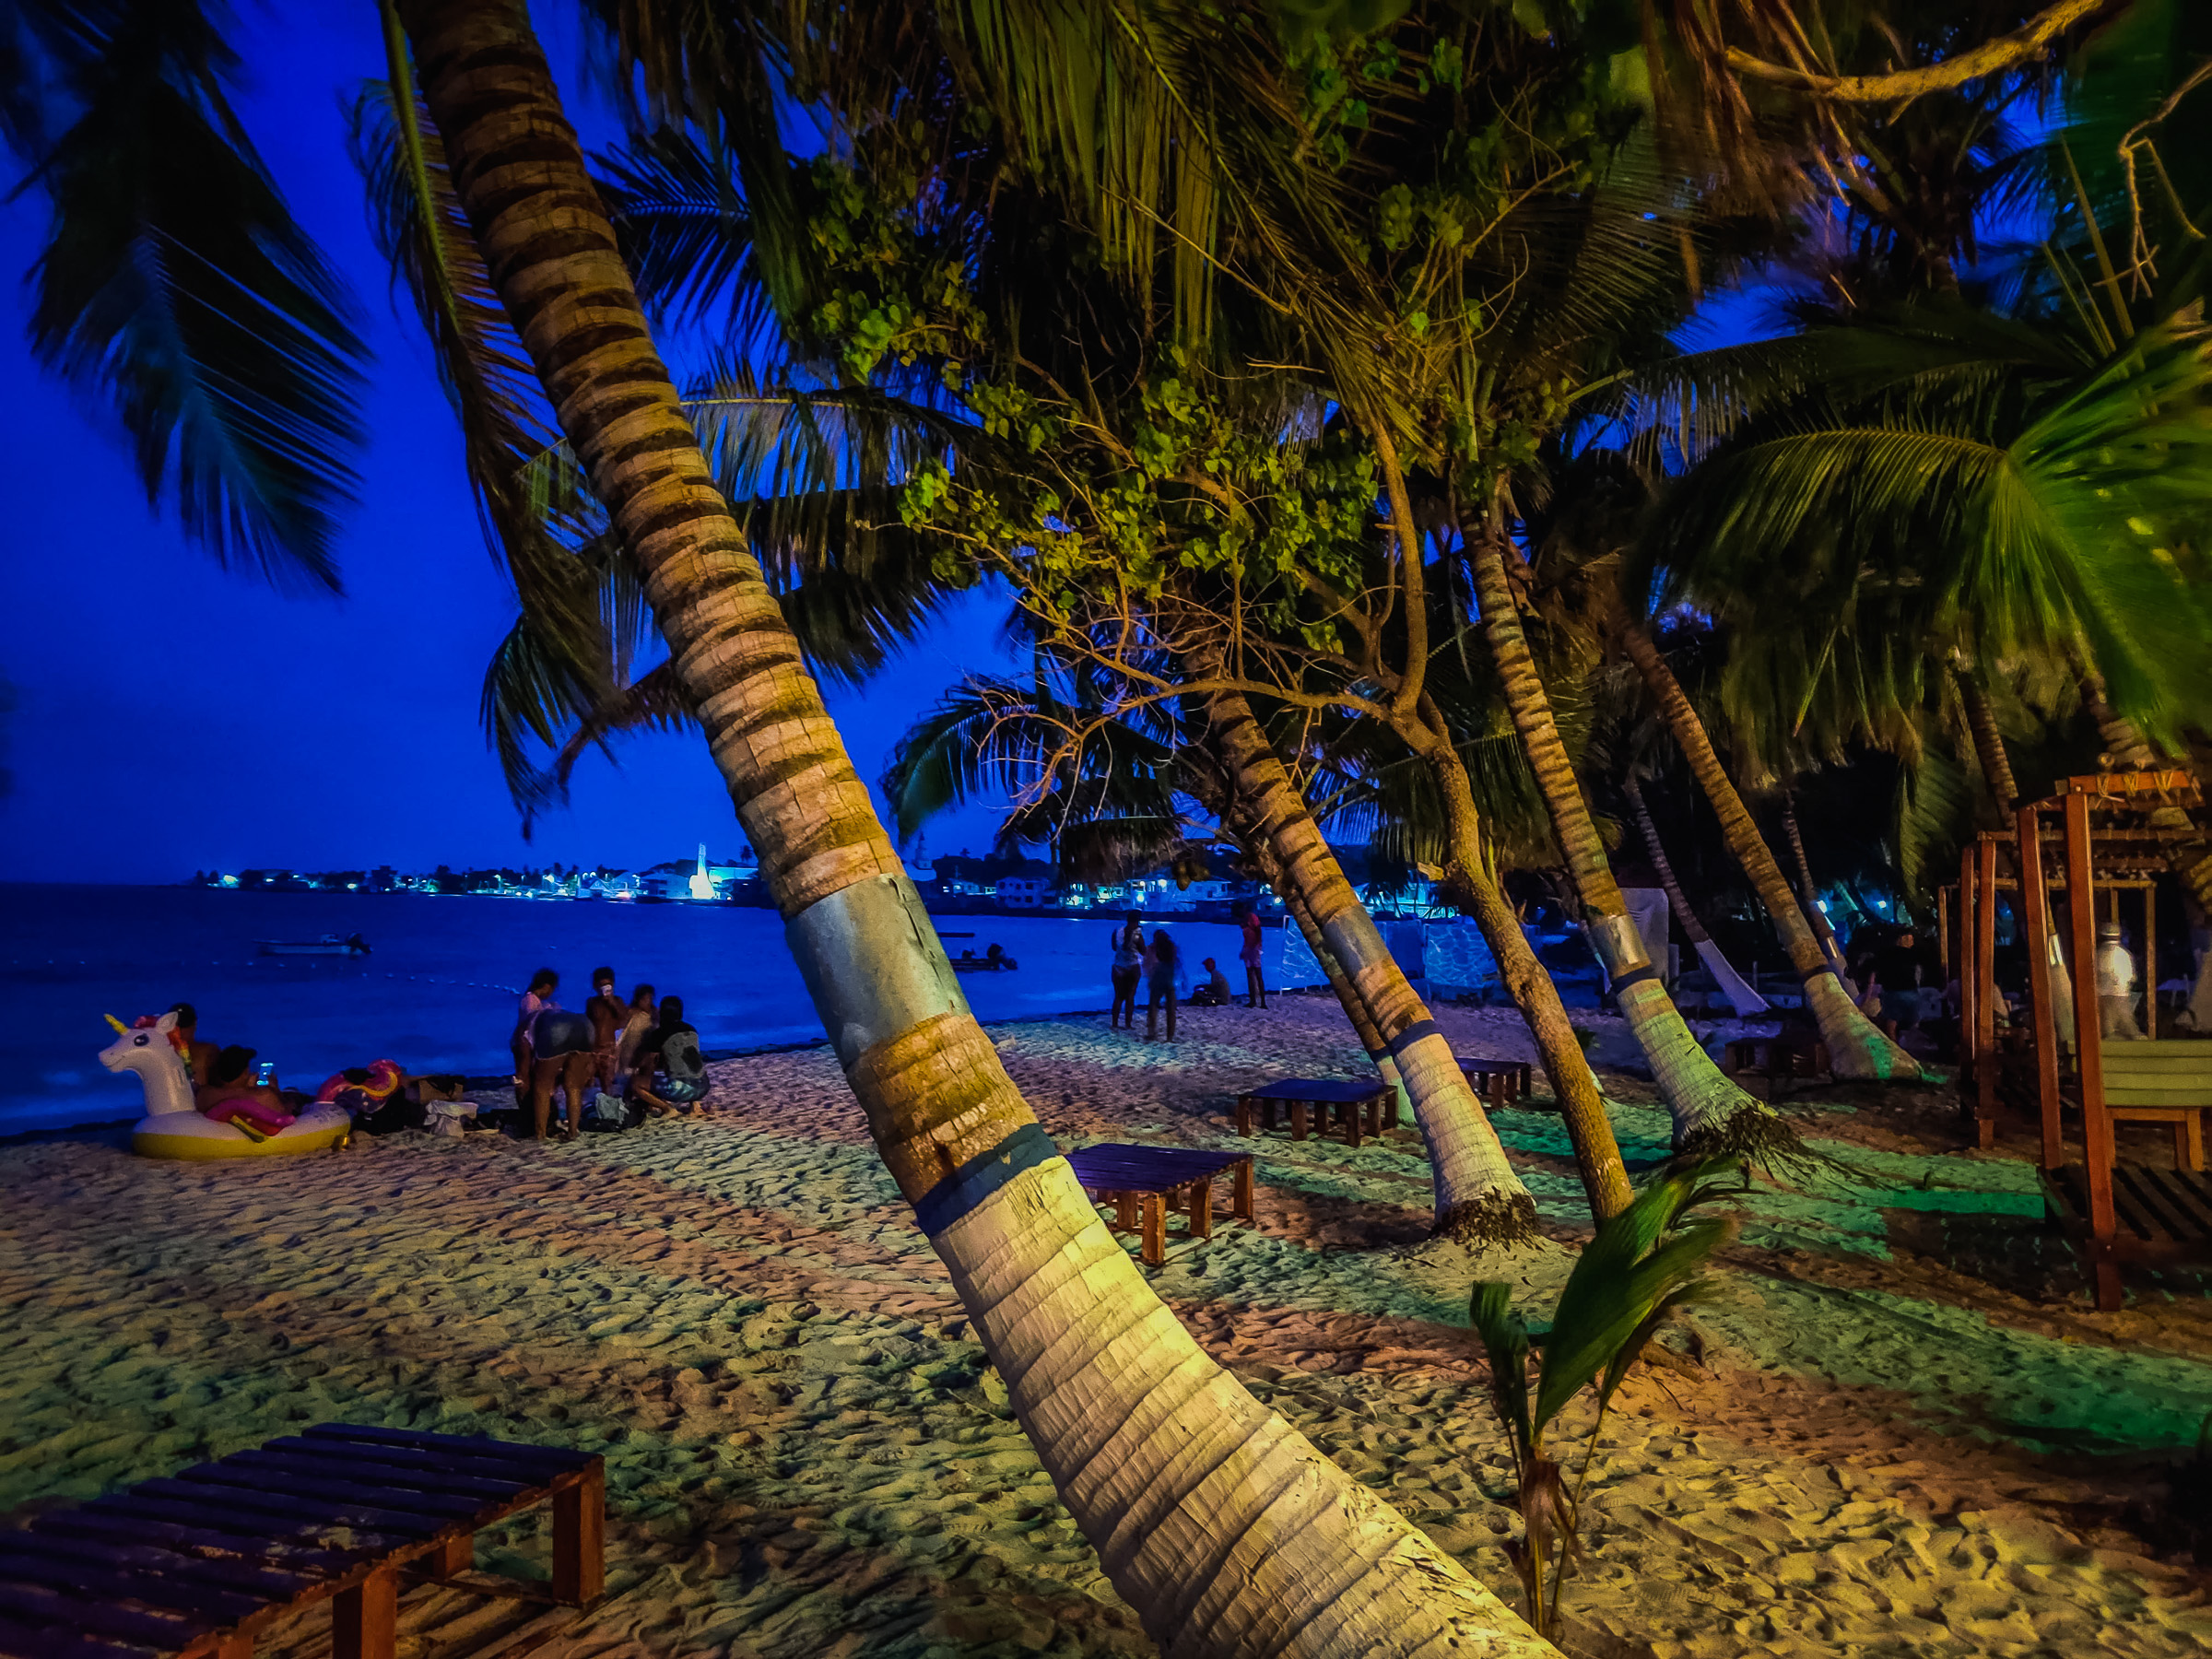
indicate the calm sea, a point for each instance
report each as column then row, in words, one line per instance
column 438, row 991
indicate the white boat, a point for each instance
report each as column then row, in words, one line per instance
column 329, row 944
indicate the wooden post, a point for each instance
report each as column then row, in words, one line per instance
column 2035, row 905
column 1202, row 1210
column 2088, row 1050
column 1969, row 1010
column 1943, row 930
column 1297, row 1120
column 2150, row 961
column 450, row 1557
column 1244, row 1105
column 1985, row 988
column 1156, row 1230
column 1355, row 1113
column 364, row 1621
column 1240, row 1204
column 580, row 1539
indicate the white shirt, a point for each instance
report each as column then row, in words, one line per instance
column 2115, row 970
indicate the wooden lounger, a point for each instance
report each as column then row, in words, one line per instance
column 2161, row 1083
column 1141, row 1182
column 197, row 1566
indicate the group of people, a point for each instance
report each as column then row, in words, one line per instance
column 1156, row 963
column 641, row 1055
column 232, row 1084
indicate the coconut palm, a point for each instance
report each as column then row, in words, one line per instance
column 1102, row 1377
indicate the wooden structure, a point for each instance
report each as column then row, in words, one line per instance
column 2108, row 835
column 1142, row 1182
column 1497, row 1082
column 1778, row 1057
column 1357, row 1107
column 200, row 1565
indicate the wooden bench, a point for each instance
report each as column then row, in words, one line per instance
column 1797, row 1052
column 1358, row 1106
column 1142, row 1181
column 2167, row 1082
column 198, row 1565
column 1497, row 1083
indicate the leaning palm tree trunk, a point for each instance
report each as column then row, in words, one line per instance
column 1855, row 1048
column 1710, row 1113
column 1477, row 1196
column 1809, row 893
column 1741, row 996
column 1589, row 1131
column 1989, row 742
column 1224, row 1529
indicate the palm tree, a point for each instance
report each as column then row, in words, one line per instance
column 1123, row 1406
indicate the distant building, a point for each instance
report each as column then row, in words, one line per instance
column 1024, row 892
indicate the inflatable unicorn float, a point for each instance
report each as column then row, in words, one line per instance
column 174, row 1127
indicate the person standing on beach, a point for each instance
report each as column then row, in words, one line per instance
column 1255, row 986
column 1161, row 962
column 1128, row 968
column 606, row 1013
column 534, row 1001
column 561, row 1050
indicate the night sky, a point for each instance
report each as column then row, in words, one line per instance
column 171, row 717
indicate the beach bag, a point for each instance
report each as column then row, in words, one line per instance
column 604, row 1114
column 450, row 1117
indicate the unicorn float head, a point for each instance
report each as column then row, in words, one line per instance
column 149, row 1047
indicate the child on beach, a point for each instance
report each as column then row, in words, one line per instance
column 673, row 1047
column 1215, row 992
column 534, row 1001
column 608, row 1015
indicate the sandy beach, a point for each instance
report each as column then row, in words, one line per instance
column 1902, row 1430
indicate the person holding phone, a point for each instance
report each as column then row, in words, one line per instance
column 238, row 1091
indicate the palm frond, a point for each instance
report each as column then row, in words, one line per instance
column 175, row 288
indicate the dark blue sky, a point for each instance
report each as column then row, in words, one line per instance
column 172, row 718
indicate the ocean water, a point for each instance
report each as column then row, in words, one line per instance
column 438, row 993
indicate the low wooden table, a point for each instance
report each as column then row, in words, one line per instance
column 198, row 1565
column 1792, row 1054
column 1358, row 1106
column 1498, row 1082
column 1141, row 1182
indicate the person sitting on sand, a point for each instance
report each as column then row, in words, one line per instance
column 199, row 1053
column 560, row 1048
column 672, row 1047
column 1216, row 992
column 607, row 1016
column 534, row 1001
column 233, row 1095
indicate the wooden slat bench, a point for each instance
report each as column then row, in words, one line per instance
column 1497, row 1082
column 2161, row 1083
column 1792, row 1053
column 1358, row 1106
column 197, row 1566
column 2161, row 1215
column 1142, row 1181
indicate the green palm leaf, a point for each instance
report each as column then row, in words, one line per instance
column 175, row 288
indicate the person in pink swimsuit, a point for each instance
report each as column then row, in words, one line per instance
column 534, row 1001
